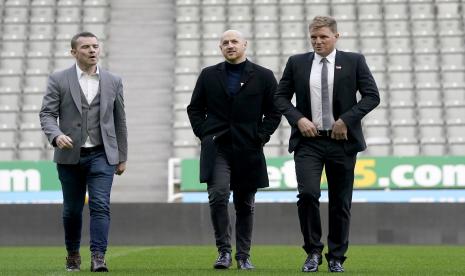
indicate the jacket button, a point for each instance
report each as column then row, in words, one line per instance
column 78, row 125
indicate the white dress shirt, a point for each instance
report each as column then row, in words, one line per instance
column 89, row 85
column 315, row 88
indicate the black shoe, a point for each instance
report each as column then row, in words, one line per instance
column 97, row 263
column 223, row 261
column 335, row 265
column 312, row 262
column 73, row 262
column 244, row 264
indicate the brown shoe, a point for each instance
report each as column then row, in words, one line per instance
column 97, row 263
column 73, row 262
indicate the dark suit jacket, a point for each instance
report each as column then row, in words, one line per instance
column 249, row 118
column 351, row 74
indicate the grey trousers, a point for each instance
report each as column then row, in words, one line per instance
column 244, row 201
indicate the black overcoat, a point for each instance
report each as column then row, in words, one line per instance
column 249, row 117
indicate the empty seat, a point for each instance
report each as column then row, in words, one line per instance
column 12, row 3
column 35, row 84
column 452, row 44
column 188, row 30
column 453, row 61
column 404, row 128
column 426, row 62
column 68, row 14
column 457, row 146
column 69, row 2
column 9, row 101
column 212, row 30
column 451, row 27
column 267, row 47
column 433, row 146
column 98, row 29
column 430, row 113
column 185, row 82
column 11, row 66
column 10, row 84
column 213, row 13
column 14, row 31
column 268, row 12
column 32, row 102
column 406, row 113
column 453, row 96
column 378, row 146
column 12, row 49
column 315, row 9
column 42, row 15
column 246, row 28
column 41, row 32
column 240, row 13
column 42, row 3
column 39, row 49
column 187, row 13
column 291, row 12
column 424, row 27
column 431, row 128
column 395, row 11
column 293, row 29
column 453, row 79
column 62, row 63
column 448, row 10
column 399, row 45
column 348, row 44
column 370, row 11
column 380, row 78
column 344, row 11
column 425, row 45
column 371, row 28
column 187, row 65
column 376, row 62
column 455, row 128
column 400, row 63
column 7, row 152
column 428, row 79
column 400, row 80
column 96, row 2
column 186, row 148
column 422, row 10
column 397, row 28
column 402, row 97
column 271, row 62
column 372, row 45
column 95, row 14
column 374, row 129
column 210, row 47
column 15, row 15
column 293, row 46
column 429, row 97
column 405, row 147
column 62, row 48
column 455, row 113
column 188, row 47
column 266, row 30
column 348, row 29
column 66, row 31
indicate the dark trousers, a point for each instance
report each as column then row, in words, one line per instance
column 310, row 157
column 94, row 173
column 218, row 196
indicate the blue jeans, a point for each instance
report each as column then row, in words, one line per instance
column 94, row 173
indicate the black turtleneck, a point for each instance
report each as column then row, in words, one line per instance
column 234, row 73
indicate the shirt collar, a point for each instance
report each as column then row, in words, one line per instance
column 80, row 72
column 331, row 57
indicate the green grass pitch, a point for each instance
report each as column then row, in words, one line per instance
column 269, row 260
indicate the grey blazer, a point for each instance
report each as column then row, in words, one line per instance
column 61, row 114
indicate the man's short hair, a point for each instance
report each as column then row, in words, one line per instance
column 323, row 21
column 78, row 35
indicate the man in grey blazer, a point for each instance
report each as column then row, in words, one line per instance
column 83, row 117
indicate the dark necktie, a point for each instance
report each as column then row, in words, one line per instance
column 325, row 96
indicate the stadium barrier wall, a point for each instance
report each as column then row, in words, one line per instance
column 275, row 223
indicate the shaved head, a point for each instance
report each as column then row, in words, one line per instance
column 233, row 46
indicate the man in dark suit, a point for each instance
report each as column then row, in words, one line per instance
column 326, row 132
column 232, row 113
column 90, row 143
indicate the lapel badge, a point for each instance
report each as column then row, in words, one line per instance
column 242, row 84
column 338, row 67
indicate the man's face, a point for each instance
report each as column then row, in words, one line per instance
column 87, row 51
column 233, row 47
column 323, row 40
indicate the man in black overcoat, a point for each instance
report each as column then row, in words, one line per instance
column 232, row 113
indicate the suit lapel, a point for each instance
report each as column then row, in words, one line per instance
column 307, row 69
column 337, row 73
column 223, row 77
column 104, row 94
column 74, row 87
